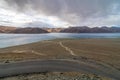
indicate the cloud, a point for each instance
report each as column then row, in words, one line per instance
column 70, row 12
column 38, row 24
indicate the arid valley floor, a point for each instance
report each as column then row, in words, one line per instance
column 104, row 54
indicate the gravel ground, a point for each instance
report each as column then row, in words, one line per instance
column 56, row 76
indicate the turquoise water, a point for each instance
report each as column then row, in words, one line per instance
column 7, row 40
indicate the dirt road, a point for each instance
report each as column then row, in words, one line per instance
column 11, row 69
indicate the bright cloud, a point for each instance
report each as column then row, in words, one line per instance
column 19, row 19
column 59, row 13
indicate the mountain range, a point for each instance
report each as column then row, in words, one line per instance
column 85, row 29
column 74, row 29
column 27, row 30
column 7, row 29
column 53, row 29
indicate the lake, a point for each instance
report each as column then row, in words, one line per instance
column 7, row 40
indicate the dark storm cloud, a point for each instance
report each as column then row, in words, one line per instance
column 73, row 11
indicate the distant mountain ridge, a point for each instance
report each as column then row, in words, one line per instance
column 28, row 30
column 76, row 29
column 7, row 29
column 85, row 29
column 53, row 29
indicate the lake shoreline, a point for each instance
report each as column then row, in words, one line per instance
column 7, row 40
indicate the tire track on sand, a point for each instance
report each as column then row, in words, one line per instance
column 67, row 49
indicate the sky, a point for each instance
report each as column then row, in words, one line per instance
column 59, row 13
